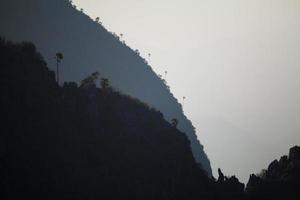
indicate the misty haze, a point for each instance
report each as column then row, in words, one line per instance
column 106, row 99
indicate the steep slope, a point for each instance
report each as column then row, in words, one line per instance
column 85, row 142
column 55, row 26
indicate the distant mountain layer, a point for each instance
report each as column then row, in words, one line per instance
column 56, row 26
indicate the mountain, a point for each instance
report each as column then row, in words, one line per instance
column 85, row 142
column 281, row 180
column 56, row 26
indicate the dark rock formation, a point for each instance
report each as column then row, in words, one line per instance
column 280, row 181
column 294, row 155
column 229, row 188
column 221, row 177
column 254, row 184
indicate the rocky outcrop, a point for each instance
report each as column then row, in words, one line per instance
column 294, row 155
column 229, row 187
column 280, row 181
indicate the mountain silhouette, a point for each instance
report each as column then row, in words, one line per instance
column 90, row 141
column 85, row 142
column 281, row 180
column 56, row 26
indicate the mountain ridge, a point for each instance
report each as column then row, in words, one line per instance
column 86, row 142
column 55, row 26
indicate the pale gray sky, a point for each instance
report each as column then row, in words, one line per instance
column 236, row 61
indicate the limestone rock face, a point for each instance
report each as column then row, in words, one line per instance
column 253, row 183
column 230, row 187
column 294, row 155
column 280, row 181
column 272, row 172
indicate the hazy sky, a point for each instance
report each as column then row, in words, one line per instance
column 236, row 61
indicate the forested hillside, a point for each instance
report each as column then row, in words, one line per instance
column 86, row 142
column 58, row 26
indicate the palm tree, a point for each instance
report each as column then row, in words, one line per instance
column 183, row 98
column 174, row 122
column 97, row 19
column 59, row 58
column 166, row 72
column 104, row 83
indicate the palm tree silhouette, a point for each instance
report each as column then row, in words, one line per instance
column 104, row 83
column 183, row 98
column 59, row 58
column 166, row 72
column 174, row 122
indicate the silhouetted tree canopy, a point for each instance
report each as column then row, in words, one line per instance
column 174, row 122
column 59, row 56
column 90, row 80
column 104, row 83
